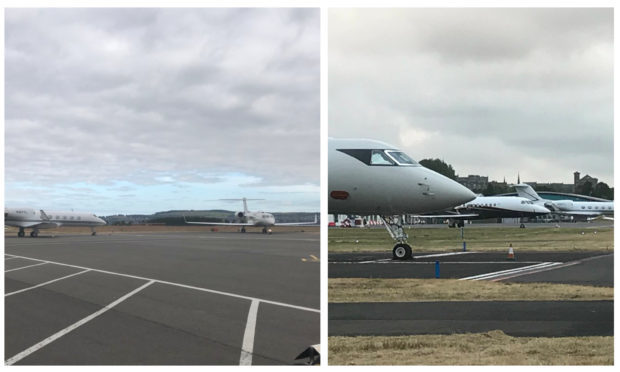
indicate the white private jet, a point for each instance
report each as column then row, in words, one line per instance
column 367, row 177
column 587, row 209
column 259, row 219
column 35, row 220
column 494, row 207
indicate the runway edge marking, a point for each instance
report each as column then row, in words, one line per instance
column 247, row 347
column 46, row 283
column 511, row 271
column 16, row 358
column 276, row 303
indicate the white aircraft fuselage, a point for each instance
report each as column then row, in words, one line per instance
column 569, row 207
column 40, row 219
column 368, row 177
column 502, row 207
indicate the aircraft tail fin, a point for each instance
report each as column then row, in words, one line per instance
column 526, row 191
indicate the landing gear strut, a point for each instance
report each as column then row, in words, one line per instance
column 394, row 226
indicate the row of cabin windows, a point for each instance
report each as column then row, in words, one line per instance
column 71, row 218
column 596, row 207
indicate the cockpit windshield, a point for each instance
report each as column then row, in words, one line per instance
column 380, row 157
column 401, row 158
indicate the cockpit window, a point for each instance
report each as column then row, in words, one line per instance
column 401, row 158
column 380, row 157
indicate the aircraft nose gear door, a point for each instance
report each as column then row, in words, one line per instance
column 394, row 226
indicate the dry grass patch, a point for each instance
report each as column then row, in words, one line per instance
column 491, row 348
column 423, row 239
column 407, row 290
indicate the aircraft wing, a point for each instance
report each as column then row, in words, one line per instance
column 38, row 225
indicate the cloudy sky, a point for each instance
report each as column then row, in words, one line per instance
column 144, row 110
column 493, row 92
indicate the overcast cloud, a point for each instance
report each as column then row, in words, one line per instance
column 493, row 92
column 140, row 110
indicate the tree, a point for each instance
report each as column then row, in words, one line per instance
column 439, row 166
column 601, row 190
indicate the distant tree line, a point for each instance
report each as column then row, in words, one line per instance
column 601, row 190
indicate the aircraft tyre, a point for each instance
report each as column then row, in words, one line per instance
column 34, row 234
column 402, row 251
column 264, row 230
column 21, row 234
column 243, row 229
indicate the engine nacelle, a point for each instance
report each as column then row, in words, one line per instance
column 239, row 214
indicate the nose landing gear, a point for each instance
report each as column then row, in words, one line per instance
column 394, row 226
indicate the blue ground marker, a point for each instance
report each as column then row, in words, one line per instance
column 436, row 269
column 464, row 246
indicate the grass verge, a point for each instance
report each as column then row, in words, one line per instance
column 407, row 290
column 490, row 348
column 423, row 239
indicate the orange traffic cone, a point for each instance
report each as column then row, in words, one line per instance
column 511, row 253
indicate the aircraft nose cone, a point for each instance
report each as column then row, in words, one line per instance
column 450, row 192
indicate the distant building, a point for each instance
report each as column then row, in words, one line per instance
column 580, row 183
column 474, row 182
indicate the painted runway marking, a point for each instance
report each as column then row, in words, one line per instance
column 46, row 283
column 247, row 347
column 511, row 271
column 443, row 254
column 9, row 258
column 303, row 308
column 16, row 358
column 25, row 267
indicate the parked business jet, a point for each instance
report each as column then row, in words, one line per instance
column 568, row 207
column 35, row 220
column 495, row 207
column 367, row 177
column 259, row 219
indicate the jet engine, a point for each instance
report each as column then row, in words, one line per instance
column 239, row 214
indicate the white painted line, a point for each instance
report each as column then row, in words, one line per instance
column 303, row 308
column 57, row 335
column 9, row 258
column 248, row 337
column 557, row 265
column 510, row 271
column 444, row 254
column 46, row 283
column 25, row 267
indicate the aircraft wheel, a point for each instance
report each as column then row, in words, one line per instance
column 34, row 234
column 243, row 229
column 264, row 230
column 21, row 234
column 94, row 233
column 402, row 251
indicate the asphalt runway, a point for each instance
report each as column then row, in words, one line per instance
column 586, row 268
column 161, row 299
column 515, row 318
